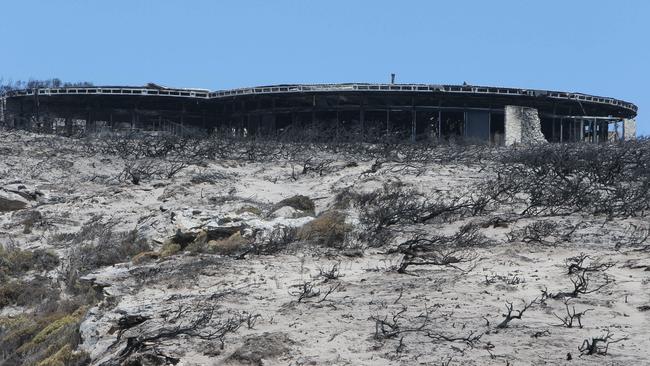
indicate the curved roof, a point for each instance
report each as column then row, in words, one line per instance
column 625, row 108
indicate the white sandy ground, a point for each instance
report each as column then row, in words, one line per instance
column 338, row 331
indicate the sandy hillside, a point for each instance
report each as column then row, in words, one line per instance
column 122, row 251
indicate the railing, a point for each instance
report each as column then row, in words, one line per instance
column 464, row 89
column 305, row 88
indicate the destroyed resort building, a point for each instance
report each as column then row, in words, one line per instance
column 360, row 112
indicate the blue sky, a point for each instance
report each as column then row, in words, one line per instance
column 591, row 46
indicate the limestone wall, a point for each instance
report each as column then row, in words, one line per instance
column 629, row 129
column 522, row 126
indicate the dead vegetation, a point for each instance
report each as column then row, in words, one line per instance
column 395, row 203
column 400, row 324
column 582, row 285
column 454, row 251
column 98, row 243
column 598, row 345
column 202, row 321
column 536, row 201
column 571, row 315
column 513, row 313
column 609, row 179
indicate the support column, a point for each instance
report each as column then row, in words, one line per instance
column 68, row 125
column 313, row 111
column 629, row 129
column 90, row 123
column 553, row 131
column 338, row 122
column 554, row 119
column 490, row 126
column 464, row 133
column 362, row 119
column 582, row 130
column 413, row 124
column 182, row 128
column 439, row 124
column 38, row 110
column 593, row 131
column 387, row 121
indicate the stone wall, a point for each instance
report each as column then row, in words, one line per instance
column 629, row 129
column 522, row 126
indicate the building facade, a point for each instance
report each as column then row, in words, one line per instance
column 359, row 112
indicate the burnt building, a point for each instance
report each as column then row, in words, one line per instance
column 413, row 112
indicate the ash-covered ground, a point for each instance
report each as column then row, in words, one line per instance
column 141, row 250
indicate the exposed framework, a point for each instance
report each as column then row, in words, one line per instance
column 410, row 111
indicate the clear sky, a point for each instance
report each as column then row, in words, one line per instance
column 590, row 46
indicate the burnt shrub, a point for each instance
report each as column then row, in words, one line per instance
column 98, row 243
column 455, row 251
column 396, row 203
column 609, row 179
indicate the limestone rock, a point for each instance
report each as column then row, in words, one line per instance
column 257, row 348
column 286, row 212
column 11, row 202
column 299, row 202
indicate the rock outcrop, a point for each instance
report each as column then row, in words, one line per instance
column 11, row 202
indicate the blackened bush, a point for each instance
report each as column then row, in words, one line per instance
column 98, row 243
column 395, row 203
column 555, row 179
column 438, row 250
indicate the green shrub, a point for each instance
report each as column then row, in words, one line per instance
column 145, row 257
column 66, row 357
column 169, row 249
column 58, row 326
column 43, row 339
column 250, row 209
column 236, row 243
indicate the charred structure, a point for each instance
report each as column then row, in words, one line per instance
column 355, row 112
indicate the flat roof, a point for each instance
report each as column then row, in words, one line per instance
column 451, row 90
